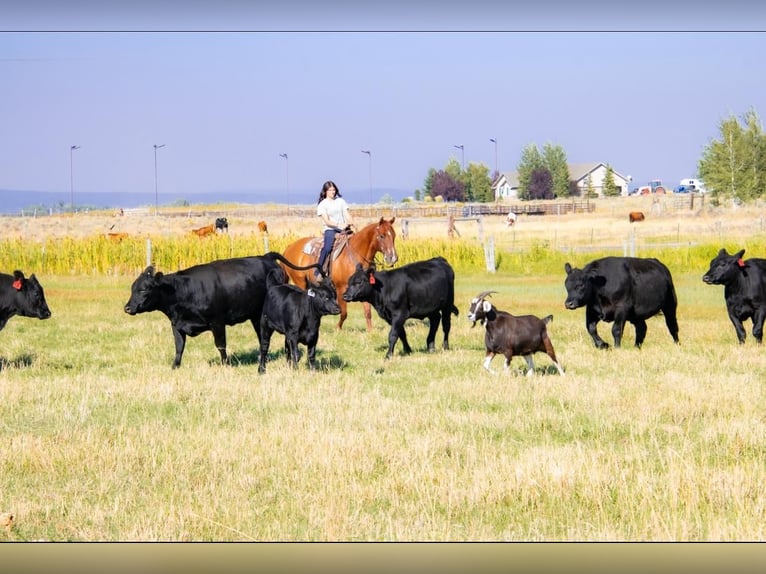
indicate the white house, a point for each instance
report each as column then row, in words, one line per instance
column 506, row 186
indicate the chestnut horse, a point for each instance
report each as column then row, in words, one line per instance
column 362, row 247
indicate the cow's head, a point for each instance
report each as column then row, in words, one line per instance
column 145, row 293
column 361, row 284
column 31, row 297
column 724, row 268
column 480, row 308
column 323, row 296
column 581, row 286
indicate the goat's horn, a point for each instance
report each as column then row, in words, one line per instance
column 484, row 294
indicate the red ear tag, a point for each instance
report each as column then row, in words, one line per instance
column 17, row 284
column 740, row 262
column 372, row 279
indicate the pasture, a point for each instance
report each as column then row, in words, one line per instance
column 104, row 442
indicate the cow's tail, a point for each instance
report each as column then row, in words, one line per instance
column 278, row 256
column 455, row 311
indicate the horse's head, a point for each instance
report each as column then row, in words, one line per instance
column 385, row 238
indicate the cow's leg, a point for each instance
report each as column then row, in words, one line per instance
column 669, row 311
column 738, row 327
column 640, row 325
column 180, row 340
column 219, row 336
column 311, row 352
column 433, row 325
column 758, row 319
column 591, row 320
column 266, row 332
column 291, row 340
column 446, row 326
column 397, row 332
column 257, row 328
column 617, row 328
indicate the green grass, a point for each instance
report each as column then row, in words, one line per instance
column 103, row 441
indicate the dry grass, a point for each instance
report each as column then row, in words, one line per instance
column 103, row 441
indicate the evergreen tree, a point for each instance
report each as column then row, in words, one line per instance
column 609, row 186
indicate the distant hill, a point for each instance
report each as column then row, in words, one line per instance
column 12, row 202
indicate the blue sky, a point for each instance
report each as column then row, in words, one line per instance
column 225, row 103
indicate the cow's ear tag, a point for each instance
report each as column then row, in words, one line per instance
column 372, row 279
column 310, row 293
column 740, row 262
column 17, row 284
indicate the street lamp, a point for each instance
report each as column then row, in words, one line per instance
column 71, row 175
column 494, row 141
column 287, row 176
column 462, row 153
column 156, row 195
column 369, row 163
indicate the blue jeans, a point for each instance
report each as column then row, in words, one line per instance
column 329, row 239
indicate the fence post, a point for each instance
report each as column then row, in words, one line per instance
column 148, row 252
column 489, row 254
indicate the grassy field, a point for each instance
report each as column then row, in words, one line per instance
column 103, row 441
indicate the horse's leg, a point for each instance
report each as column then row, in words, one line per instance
column 343, row 310
column 368, row 315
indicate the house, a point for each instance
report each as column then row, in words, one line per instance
column 506, row 186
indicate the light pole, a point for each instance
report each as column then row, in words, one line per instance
column 287, row 176
column 369, row 164
column 71, row 175
column 156, row 195
column 462, row 154
column 494, row 141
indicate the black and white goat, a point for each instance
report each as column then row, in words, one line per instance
column 511, row 335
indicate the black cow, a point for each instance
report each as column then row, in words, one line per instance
column 21, row 296
column 420, row 290
column 296, row 314
column 622, row 289
column 744, row 289
column 208, row 297
column 221, row 224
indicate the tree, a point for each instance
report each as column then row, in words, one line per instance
column 541, row 184
column 428, row 183
column 555, row 159
column 447, row 187
column 609, row 186
column 530, row 161
column 734, row 165
column 479, row 183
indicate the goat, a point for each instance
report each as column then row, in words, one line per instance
column 511, row 335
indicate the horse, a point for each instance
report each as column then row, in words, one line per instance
column 362, row 247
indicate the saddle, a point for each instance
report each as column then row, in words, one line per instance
column 314, row 246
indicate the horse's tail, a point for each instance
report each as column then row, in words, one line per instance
column 278, row 256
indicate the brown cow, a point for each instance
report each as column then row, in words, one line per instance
column 262, row 227
column 115, row 236
column 204, row 231
column 634, row 216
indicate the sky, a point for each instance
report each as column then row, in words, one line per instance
column 228, row 87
